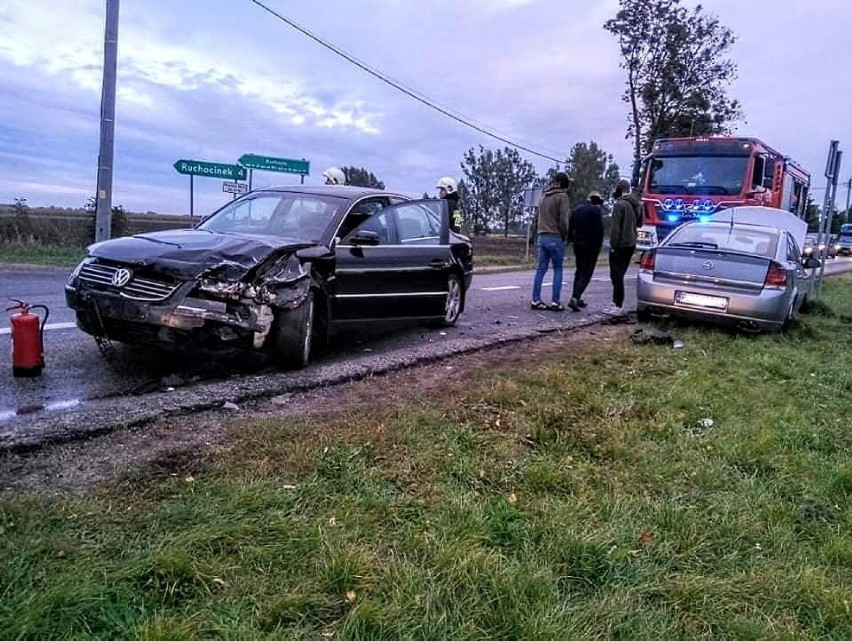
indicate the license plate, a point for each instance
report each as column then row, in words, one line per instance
column 701, row 300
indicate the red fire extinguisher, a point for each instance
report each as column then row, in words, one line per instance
column 27, row 339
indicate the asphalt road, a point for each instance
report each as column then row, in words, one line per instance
column 132, row 382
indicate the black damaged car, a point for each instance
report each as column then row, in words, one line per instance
column 276, row 270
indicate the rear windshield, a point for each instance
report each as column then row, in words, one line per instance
column 846, row 230
column 739, row 238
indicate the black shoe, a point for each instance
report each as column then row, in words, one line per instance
column 537, row 304
column 581, row 303
column 556, row 307
column 574, row 305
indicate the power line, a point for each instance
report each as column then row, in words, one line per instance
column 416, row 95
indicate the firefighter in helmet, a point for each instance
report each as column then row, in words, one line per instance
column 334, row 176
column 448, row 190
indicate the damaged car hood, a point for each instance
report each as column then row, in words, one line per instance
column 188, row 253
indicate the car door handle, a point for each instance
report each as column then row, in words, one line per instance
column 437, row 263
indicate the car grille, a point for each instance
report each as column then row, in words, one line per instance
column 137, row 288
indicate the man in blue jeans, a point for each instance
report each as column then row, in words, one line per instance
column 554, row 211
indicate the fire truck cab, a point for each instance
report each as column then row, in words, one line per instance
column 687, row 179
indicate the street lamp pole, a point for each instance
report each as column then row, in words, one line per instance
column 103, row 198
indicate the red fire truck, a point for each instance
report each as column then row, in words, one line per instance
column 687, row 179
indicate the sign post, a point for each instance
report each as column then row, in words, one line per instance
column 193, row 168
column 532, row 197
column 832, row 169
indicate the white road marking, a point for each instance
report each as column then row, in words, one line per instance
column 8, row 330
column 500, row 289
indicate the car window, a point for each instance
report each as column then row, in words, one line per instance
column 359, row 213
column 794, row 254
column 291, row 215
column 382, row 224
column 418, row 223
column 740, row 238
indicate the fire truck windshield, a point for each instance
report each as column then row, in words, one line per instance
column 707, row 175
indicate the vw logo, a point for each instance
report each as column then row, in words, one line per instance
column 121, row 277
column 708, row 265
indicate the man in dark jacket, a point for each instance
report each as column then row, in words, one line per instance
column 585, row 232
column 626, row 219
column 553, row 213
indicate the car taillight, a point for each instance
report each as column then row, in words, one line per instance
column 646, row 263
column 776, row 276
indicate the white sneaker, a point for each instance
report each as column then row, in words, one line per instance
column 612, row 310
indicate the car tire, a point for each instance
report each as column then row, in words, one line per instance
column 455, row 301
column 292, row 335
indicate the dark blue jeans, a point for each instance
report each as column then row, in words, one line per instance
column 551, row 250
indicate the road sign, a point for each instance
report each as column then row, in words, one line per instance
column 532, row 197
column 283, row 165
column 234, row 188
column 210, row 169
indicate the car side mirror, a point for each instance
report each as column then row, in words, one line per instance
column 313, row 254
column 811, row 262
column 365, row 237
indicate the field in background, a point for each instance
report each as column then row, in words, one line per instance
column 59, row 237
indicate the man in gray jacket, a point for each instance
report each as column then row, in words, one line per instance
column 554, row 212
column 626, row 219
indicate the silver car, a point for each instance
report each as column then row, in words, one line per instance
column 743, row 269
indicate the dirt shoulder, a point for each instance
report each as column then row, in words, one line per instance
column 178, row 444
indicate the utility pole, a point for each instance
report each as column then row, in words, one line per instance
column 832, row 169
column 847, row 215
column 103, row 198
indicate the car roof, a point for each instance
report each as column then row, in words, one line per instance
column 341, row 191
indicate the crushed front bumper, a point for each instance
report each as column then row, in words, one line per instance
column 182, row 318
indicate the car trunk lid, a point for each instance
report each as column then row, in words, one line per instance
column 711, row 268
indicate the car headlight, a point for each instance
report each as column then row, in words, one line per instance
column 809, row 250
column 222, row 289
column 293, row 270
column 73, row 277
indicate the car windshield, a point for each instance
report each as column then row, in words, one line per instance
column 738, row 238
column 291, row 215
column 846, row 230
column 706, row 175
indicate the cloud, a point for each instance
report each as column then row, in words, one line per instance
column 217, row 79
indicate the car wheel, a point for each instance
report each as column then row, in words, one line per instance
column 292, row 335
column 455, row 301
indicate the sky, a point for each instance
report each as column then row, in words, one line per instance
column 215, row 79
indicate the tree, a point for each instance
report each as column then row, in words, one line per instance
column 493, row 187
column 812, row 215
column 360, row 177
column 591, row 169
column 677, row 72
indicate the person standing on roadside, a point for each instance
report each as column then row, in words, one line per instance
column 334, row 176
column 626, row 219
column 585, row 233
column 553, row 214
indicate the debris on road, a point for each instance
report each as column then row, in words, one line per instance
column 652, row 335
column 228, row 405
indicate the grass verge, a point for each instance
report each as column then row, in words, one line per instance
column 41, row 255
column 583, row 496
